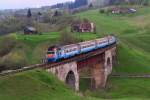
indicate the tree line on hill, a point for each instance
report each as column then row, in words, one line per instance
column 42, row 21
column 132, row 2
column 80, row 3
column 71, row 5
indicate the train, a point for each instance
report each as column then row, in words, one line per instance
column 55, row 53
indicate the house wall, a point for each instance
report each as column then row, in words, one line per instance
column 97, row 2
column 80, row 28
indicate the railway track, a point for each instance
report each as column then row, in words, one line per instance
column 131, row 75
column 53, row 64
column 10, row 72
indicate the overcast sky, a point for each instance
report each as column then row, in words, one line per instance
column 15, row 4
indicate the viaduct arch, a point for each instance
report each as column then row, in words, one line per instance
column 67, row 73
column 70, row 79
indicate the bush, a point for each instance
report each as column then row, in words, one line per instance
column 102, row 11
column 12, row 24
column 12, row 54
column 67, row 38
column 6, row 45
column 13, row 60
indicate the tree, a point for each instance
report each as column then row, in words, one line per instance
column 67, row 38
column 56, row 13
column 38, row 17
column 29, row 14
column 91, row 5
column 39, row 13
column 146, row 2
column 12, row 24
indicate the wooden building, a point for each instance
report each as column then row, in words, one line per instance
column 122, row 10
column 84, row 26
column 30, row 31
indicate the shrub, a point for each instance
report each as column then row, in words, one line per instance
column 67, row 38
column 12, row 54
column 102, row 11
column 6, row 45
column 12, row 24
column 13, row 60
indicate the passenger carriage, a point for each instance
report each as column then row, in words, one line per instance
column 87, row 46
column 55, row 53
column 70, row 50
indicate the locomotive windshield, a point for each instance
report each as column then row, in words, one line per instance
column 50, row 52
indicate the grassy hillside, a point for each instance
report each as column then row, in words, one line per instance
column 40, row 85
column 131, row 30
column 133, row 53
column 123, row 89
column 34, row 85
column 133, row 34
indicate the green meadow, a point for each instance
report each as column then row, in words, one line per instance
column 133, row 56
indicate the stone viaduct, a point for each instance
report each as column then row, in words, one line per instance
column 97, row 66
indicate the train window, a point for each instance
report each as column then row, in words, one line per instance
column 66, row 51
column 74, row 49
column 70, row 50
column 92, row 45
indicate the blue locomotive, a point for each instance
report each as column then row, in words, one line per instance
column 63, row 52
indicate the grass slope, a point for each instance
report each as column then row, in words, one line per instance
column 133, row 53
column 133, row 33
column 124, row 89
column 34, row 85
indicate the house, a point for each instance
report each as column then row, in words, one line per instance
column 119, row 10
column 97, row 3
column 30, row 30
column 115, row 10
column 84, row 26
column 122, row 10
column 131, row 10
